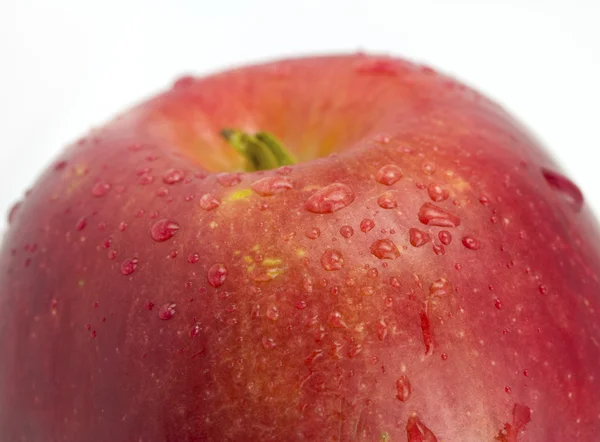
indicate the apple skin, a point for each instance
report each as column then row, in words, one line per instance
column 151, row 293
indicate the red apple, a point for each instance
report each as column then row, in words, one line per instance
column 422, row 272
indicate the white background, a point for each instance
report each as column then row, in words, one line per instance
column 67, row 65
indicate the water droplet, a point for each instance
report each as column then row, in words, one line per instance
column 378, row 66
column 112, row 254
column 471, row 243
column 12, row 213
column 440, row 288
column 403, row 389
column 301, row 305
column 445, row 237
column 81, row 223
column 395, row 282
column 183, row 82
column 354, row 350
column 387, row 201
column 565, row 187
column 146, row 179
column 163, row 230
column 508, row 390
column 367, row 291
column 194, row 330
column 336, row 320
column 384, row 249
column 272, row 185
column 543, row 289
column 273, row 313
column 60, row 165
column 426, row 332
column 313, row 233
column 209, row 202
column 484, row 200
column 268, row 343
column 435, row 216
column 389, row 175
column 314, row 355
column 332, row 260
column 122, row 226
column 346, row 231
column 437, row 193
column 382, row 329
column 444, row 356
column 416, row 430
column 330, row 199
column 372, row 273
column 193, row 258
column 428, row 168
column 228, row 179
column 418, row 238
column 129, row 265
column 167, row 311
column 173, row 176
column 366, row 225
column 100, row 189
column 216, row 275
column 438, row 249
column 162, row 191
column 498, row 304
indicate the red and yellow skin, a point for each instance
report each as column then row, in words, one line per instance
column 253, row 313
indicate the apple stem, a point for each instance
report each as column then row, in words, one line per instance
column 262, row 150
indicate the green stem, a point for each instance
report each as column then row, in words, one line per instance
column 262, row 150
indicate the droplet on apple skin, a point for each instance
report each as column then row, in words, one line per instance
column 372, row 273
column 384, row 249
column 389, row 175
column 12, row 213
column 163, row 230
column 403, row 388
column 440, row 288
column 128, row 266
column 145, row 179
column 387, row 201
column 268, row 343
column 194, row 330
column 313, row 233
column 81, row 223
column 272, row 185
column 445, row 237
column 377, row 66
column 193, row 258
column 416, row 431
column 217, row 274
column 426, row 332
column 209, row 202
column 173, row 176
column 273, row 313
column 100, row 189
column 336, row 320
column 418, row 238
column 471, row 243
column 330, row 199
column 346, row 231
column 332, row 260
column 228, row 179
column 367, row 225
column 437, row 193
column 167, row 311
column 567, row 189
column 432, row 215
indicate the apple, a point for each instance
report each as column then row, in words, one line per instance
column 342, row 248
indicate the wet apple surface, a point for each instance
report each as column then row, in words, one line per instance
column 346, row 248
